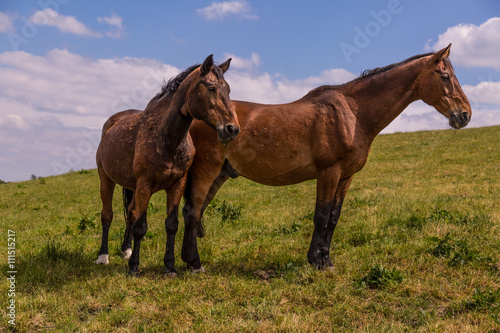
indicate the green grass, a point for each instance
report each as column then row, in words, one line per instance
column 417, row 248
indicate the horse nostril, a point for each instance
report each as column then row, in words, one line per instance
column 231, row 130
column 465, row 116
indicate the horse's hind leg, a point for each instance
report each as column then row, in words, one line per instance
column 129, row 209
column 107, row 188
column 335, row 215
column 216, row 185
column 331, row 191
column 141, row 197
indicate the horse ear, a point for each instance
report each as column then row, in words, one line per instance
column 225, row 66
column 440, row 55
column 207, row 65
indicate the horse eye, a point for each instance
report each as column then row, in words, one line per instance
column 211, row 88
column 445, row 76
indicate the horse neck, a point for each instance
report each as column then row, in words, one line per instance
column 170, row 124
column 378, row 99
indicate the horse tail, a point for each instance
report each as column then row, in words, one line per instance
column 128, row 196
column 200, row 229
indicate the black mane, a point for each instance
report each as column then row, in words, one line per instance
column 173, row 84
column 368, row 73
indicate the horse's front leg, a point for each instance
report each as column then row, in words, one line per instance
column 140, row 227
column 174, row 195
column 202, row 181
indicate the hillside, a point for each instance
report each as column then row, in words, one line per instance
column 417, row 248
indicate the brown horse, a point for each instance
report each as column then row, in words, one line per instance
column 152, row 150
column 326, row 135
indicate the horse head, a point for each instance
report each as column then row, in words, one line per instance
column 208, row 100
column 439, row 87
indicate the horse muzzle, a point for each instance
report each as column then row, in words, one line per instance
column 459, row 119
column 227, row 133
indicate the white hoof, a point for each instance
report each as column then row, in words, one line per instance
column 127, row 253
column 103, row 259
column 199, row 270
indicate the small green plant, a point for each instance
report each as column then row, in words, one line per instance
column 55, row 251
column 457, row 252
column 446, row 216
column 152, row 208
column 414, row 222
column 496, row 318
column 441, row 215
column 86, row 223
column 487, row 300
column 379, row 277
column 150, row 235
column 228, row 211
column 67, row 232
column 307, row 217
column 287, row 230
column 118, row 235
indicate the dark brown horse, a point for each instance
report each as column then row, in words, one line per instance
column 152, row 150
column 326, row 135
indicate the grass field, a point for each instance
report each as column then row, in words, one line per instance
column 417, row 249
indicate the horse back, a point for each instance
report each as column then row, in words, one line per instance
column 116, row 118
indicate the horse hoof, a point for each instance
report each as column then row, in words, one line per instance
column 103, row 259
column 170, row 274
column 127, row 253
column 199, row 270
column 133, row 273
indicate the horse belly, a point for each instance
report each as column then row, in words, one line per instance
column 283, row 167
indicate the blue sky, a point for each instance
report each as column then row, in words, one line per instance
column 67, row 65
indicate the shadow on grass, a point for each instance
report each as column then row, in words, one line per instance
column 56, row 265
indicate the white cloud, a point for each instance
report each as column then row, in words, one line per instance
column 473, row 46
column 115, row 22
column 486, row 92
column 67, row 24
column 243, row 63
column 217, row 11
column 49, row 105
column 266, row 88
column 6, row 24
column 76, row 89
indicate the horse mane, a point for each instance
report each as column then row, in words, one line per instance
column 378, row 70
column 173, row 84
column 368, row 73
